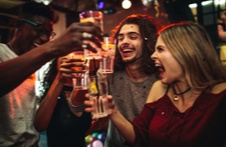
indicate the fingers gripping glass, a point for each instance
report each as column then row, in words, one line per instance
column 42, row 33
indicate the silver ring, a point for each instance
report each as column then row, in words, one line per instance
column 86, row 35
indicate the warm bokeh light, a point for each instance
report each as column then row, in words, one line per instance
column 126, row 4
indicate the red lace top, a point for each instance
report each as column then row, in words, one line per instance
column 160, row 124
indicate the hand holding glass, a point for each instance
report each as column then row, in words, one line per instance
column 98, row 91
column 95, row 17
column 81, row 70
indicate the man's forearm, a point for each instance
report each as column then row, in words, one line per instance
column 15, row 71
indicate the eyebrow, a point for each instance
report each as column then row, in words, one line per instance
column 128, row 33
column 160, row 46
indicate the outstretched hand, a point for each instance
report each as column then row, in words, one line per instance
column 90, row 105
column 68, row 67
column 73, row 38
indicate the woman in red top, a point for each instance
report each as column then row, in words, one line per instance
column 187, row 106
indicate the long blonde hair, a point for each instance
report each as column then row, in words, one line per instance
column 191, row 46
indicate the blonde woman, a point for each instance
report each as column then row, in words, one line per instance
column 187, row 106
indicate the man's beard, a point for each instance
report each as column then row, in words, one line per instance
column 133, row 60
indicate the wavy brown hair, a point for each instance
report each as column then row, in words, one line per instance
column 148, row 29
column 49, row 76
column 190, row 45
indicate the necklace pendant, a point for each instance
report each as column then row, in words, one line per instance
column 176, row 98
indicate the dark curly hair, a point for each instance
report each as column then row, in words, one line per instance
column 34, row 8
column 49, row 76
column 148, row 29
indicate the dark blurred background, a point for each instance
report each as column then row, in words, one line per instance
column 205, row 12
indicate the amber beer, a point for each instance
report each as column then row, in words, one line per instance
column 81, row 72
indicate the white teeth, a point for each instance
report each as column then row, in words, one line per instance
column 158, row 65
column 127, row 50
column 161, row 68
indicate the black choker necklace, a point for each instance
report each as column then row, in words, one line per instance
column 181, row 93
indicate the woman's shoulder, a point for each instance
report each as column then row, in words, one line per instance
column 157, row 90
column 219, row 88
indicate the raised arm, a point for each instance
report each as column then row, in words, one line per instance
column 47, row 106
column 49, row 102
column 124, row 126
column 15, row 71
